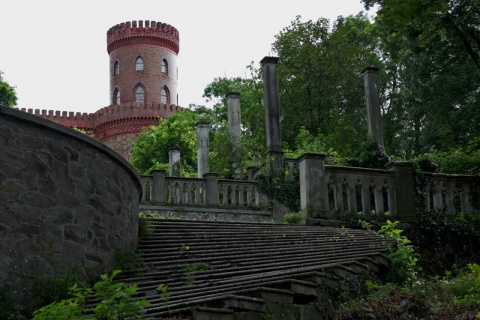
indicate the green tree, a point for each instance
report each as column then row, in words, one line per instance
column 8, row 96
column 226, row 158
column 321, row 88
column 431, row 49
column 150, row 150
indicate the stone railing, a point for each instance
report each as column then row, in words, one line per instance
column 360, row 190
column 207, row 192
column 325, row 190
column 453, row 193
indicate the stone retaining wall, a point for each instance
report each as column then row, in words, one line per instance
column 65, row 200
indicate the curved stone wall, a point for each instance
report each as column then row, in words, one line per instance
column 65, row 200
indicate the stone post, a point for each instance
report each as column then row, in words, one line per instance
column 272, row 115
column 158, row 187
column 404, row 190
column 234, row 117
column 203, row 131
column 234, row 129
column 211, row 192
column 372, row 97
column 174, row 161
column 313, row 186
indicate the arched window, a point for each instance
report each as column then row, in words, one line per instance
column 165, row 96
column 116, row 97
column 139, row 94
column 164, row 66
column 139, row 64
column 116, row 68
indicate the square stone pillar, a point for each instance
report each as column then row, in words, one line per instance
column 158, row 187
column 203, row 151
column 211, row 192
column 234, row 117
column 174, row 161
column 372, row 98
column 272, row 115
column 404, row 190
column 313, row 186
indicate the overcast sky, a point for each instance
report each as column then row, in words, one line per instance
column 54, row 51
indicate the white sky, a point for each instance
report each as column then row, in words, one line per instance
column 54, row 51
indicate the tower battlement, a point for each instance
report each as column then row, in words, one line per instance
column 143, row 32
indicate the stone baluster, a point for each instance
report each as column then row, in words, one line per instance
column 366, row 207
column 378, row 195
column 464, row 199
column 338, row 196
column 352, row 198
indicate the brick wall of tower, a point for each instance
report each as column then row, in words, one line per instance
column 153, row 42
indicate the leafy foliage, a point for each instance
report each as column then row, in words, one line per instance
column 292, row 218
column 8, row 96
column 115, row 301
column 48, row 289
column 150, row 150
column 403, row 258
column 281, row 190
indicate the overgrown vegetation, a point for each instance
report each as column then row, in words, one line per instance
column 113, row 300
column 195, row 267
column 446, row 297
column 292, row 218
column 283, row 191
column 412, row 287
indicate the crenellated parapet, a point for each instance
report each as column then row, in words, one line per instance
column 84, row 121
column 129, row 118
column 113, row 120
column 143, row 32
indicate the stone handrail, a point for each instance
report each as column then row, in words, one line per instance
column 198, row 192
column 450, row 192
column 352, row 189
column 325, row 190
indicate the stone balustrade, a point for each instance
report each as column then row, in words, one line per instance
column 453, row 193
column 325, row 190
column 199, row 192
column 360, row 190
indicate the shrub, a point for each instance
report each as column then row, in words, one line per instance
column 292, row 218
column 115, row 301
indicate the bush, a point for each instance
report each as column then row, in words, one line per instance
column 292, row 218
column 115, row 301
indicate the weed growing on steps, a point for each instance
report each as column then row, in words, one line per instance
column 195, row 267
column 292, row 218
column 128, row 260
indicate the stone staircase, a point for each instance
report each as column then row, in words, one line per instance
column 228, row 270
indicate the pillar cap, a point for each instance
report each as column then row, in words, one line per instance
column 173, row 149
column 202, row 124
column 266, row 60
column 233, row 94
column 393, row 164
column 319, row 156
column 210, row 174
column 370, row 70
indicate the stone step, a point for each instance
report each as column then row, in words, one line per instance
column 256, row 267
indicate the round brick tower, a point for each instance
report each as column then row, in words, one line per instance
column 143, row 63
column 143, row 81
column 143, row 85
